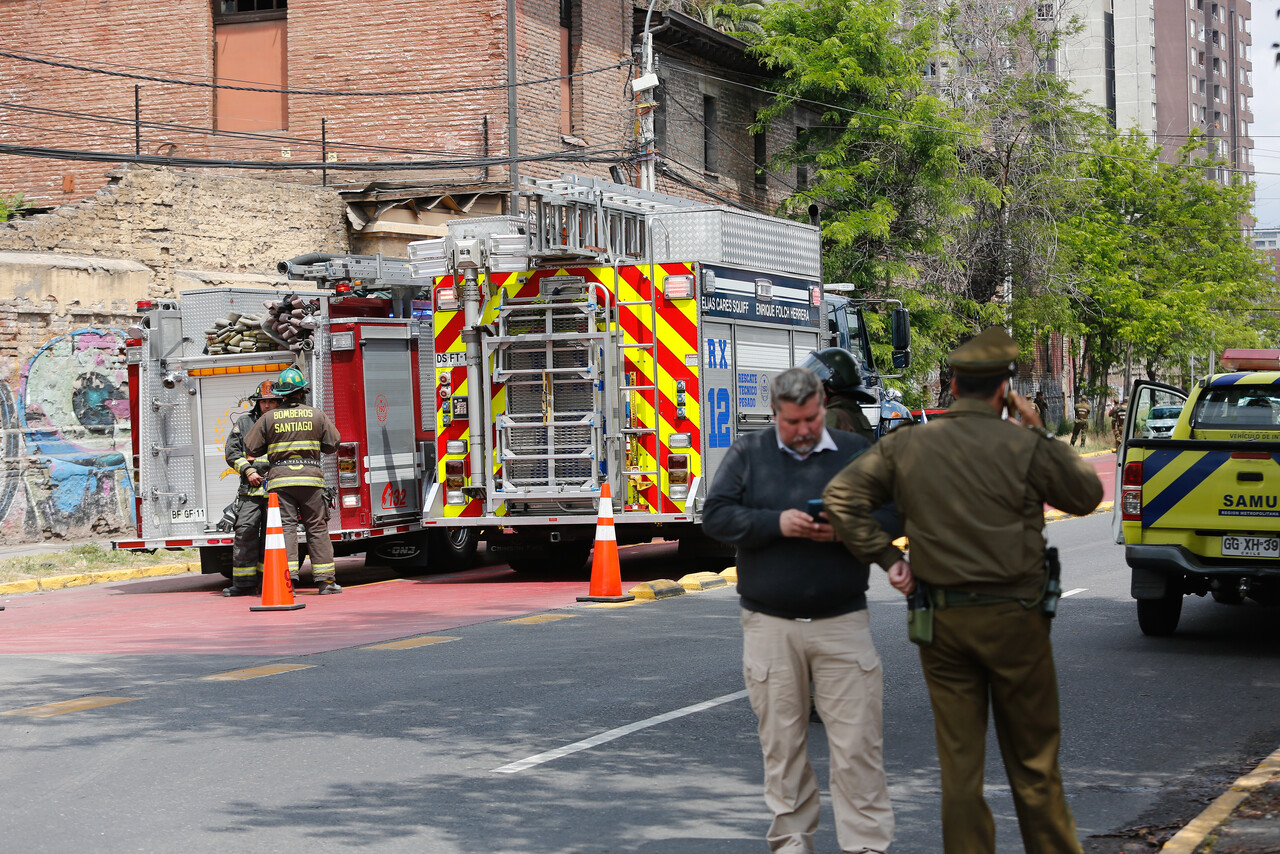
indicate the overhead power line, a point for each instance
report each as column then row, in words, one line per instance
column 204, row 84
column 599, row 155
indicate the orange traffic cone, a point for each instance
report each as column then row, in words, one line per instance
column 606, row 577
column 277, row 589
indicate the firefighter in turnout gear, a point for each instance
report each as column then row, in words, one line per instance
column 251, row 498
column 842, row 383
column 293, row 437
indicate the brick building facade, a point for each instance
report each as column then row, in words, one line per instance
column 100, row 236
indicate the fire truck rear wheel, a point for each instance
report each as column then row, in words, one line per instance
column 452, row 548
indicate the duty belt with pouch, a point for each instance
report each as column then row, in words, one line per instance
column 920, row 615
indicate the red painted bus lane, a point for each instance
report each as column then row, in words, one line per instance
column 187, row 615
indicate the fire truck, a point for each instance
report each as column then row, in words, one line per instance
column 606, row 335
column 353, row 328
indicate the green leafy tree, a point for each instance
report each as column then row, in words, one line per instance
column 1164, row 268
column 880, row 154
column 876, row 146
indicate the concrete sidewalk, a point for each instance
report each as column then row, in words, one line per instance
column 1243, row 820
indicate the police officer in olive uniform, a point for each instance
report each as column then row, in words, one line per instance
column 970, row 490
column 1081, row 428
column 843, row 386
column 251, row 498
column 293, row 437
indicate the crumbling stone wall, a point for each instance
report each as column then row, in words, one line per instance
column 69, row 283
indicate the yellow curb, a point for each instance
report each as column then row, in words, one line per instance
column 1095, row 454
column 702, row 581
column 662, row 588
column 1186, row 841
column 1058, row 515
column 81, row 579
column 730, row 575
column 27, row 585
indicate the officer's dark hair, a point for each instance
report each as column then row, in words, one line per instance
column 981, row 387
column 795, row 385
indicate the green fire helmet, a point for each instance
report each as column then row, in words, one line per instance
column 838, row 371
column 289, row 382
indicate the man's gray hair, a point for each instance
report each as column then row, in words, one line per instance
column 795, row 385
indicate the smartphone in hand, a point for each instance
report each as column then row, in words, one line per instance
column 814, row 509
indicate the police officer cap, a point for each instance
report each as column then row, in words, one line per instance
column 990, row 353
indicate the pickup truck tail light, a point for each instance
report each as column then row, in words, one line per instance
column 1131, row 492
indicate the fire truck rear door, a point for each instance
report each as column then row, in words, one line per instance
column 389, row 392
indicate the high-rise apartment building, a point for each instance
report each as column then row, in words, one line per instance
column 1167, row 67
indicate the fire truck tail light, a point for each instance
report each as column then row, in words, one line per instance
column 678, row 468
column 680, row 440
column 447, row 299
column 145, row 305
column 342, row 288
column 348, row 468
column 351, row 499
column 454, row 474
column 455, row 496
column 679, row 492
column 455, row 446
column 678, row 287
column 1132, row 474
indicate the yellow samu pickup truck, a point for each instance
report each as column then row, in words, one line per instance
column 1198, row 507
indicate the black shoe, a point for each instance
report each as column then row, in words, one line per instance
column 240, row 591
column 327, row 587
column 293, row 577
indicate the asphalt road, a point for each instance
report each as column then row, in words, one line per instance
column 443, row 747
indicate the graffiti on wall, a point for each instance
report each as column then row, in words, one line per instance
column 67, row 441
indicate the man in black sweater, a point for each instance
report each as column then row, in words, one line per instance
column 804, row 617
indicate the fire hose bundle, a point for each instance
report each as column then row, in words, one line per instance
column 237, row 333
column 291, row 322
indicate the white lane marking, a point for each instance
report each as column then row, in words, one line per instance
column 1074, row 592
column 619, row 732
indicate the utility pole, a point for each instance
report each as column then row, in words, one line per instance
column 640, row 88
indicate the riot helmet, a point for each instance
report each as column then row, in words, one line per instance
column 838, row 371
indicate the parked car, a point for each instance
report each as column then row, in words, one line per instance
column 1160, row 422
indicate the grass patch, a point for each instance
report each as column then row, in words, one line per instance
column 87, row 558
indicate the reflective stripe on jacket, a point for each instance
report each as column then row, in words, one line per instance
column 293, row 437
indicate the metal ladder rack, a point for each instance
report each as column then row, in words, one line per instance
column 588, row 218
column 547, row 357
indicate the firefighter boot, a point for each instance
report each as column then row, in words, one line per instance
column 241, row 590
column 326, row 587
